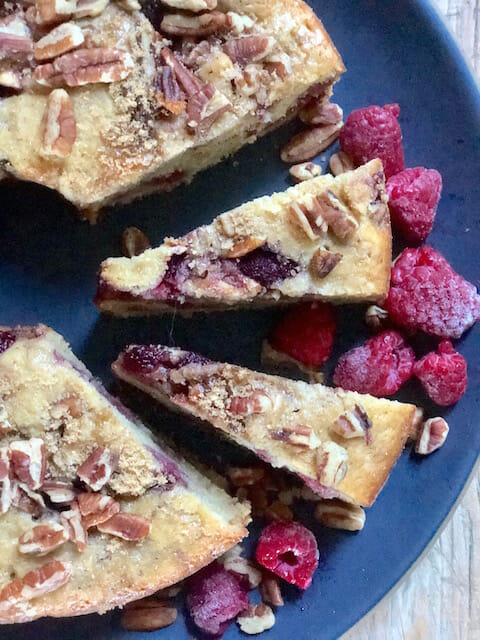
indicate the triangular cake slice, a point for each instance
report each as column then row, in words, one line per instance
column 327, row 238
column 340, row 443
column 94, row 511
column 105, row 102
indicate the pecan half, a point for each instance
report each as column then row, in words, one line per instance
column 256, row 618
column 247, row 49
column 257, row 402
column 98, row 468
column 199, row 26
column 134, row 242
column 148, row 614
column 270, row 590
column 42, row 539
column 432, row 436
column 340, row 515
column 6, row 476
column 96, row 508
column 59, row 125
column 85, row 66
column 323, row 262
column 59, row 492
column 128, row 526
column 187, row 80
column 299, row 435
column 29, row 461
column 332, row 464
column 45, row 579
column 305, row 171
column 63, row 38
column 195, row 6
column 309, row 143
column 242, row 247
column 205, row 107
column 336, row 214
column 340, row 163
column 48, row 11
column 245, row 476
column 72, row 521
column 321, row 113
column 353, row 424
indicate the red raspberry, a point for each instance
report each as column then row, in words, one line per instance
column 379, row 367
column 215, row 598
column 374, row 132
column 413, row 199
column 443, row 374
column 427, row 294
column 306, row 333
column 289, row 550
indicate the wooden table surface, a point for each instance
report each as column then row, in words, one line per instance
column 440, row 599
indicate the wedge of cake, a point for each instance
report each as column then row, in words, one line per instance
column 94, row 511
column 105, row 105
column 340, row 443
column 326, row 238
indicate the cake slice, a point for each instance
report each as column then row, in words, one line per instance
column 104, row 102
column 340, row 443
column 94, row 511
column 326, row 238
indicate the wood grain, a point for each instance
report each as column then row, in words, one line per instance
column 440, row 599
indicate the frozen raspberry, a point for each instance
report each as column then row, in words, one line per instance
column 215, row 598
column 289, row 550
column 427, row 294
column 379, row 367
column 443, row 374
column 7, row 338
column 413, row 199
column 266, row 267
column 306, row 333
column 374, row 132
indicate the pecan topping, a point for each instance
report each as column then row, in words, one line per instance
column 6, row 473
column 12, row 44
column 89, row 8
column 98, row 468
column 127, row 526
column 332, row 464
column 169, row 95
column 245, row 476
column 27, row 500
column 96, row 508
column 199, row 26
column 42, row 539
column 340, row 163
column 323, row 262
column 63, row 38
column 248, row 49
column 238, row 24
column 29, row 461
column 305, row 171
column 321, row 113
column 299, row 435
column 256, row 402
column 353, row 424
column 308, row 218
column 85, row 66
column 376, row 318
column 195, row 6
column 45, row 579
column 59, row 125
column 48, row 11
column 59, row 492
column 148, row 614
column 187, row 80
column 270, row 590
column 134, row 242
column 242, row 247
column 241, row 566
column 72, row 521
column 205, row 107
column 11, row 79
column 309, row 143
column 336, row 214
column 256, row 618
column 340, row 515
column 432, row 436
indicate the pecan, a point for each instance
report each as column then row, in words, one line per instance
column 13, row 45
column 72, row 521
column 278, row 511
column 332, row 464
column 307, row 216
column 98, row 468
column 169, row 95
column 321, row 113
column 89, row 8
column 270, row 590
column 63, row 38
column 340, row 515
column 305, row 171
column 376, row 318
column 148, row 614
column 29, row 461
column 130, row 5
column 195, row 6
column 59, row 492
column 336, row 214
column 242, row 247
column 242, row 567
column 127, row 526
column 205, row 107
column 354, row 423
column 199, row 26
column 42, row 539
column 59, row 125
column 432, row 436
column 187, row 80
column 48, row 11
column 309, row 143
column 238, row 24
column 299, row 435
column 85, row 66
column 324, row 261
column 340, row 163
column 134, row 242
column 257, row 402
column 11, row 78
column 256, row 618
column 245, row 476
column 247, row 49
column 96, row 508
column 26, row 500
column 45, row 579
column 6, row 475
column 279, row 65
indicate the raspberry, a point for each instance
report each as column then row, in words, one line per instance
column 214, row 598
column 443, row 374
column 306, row 333
column 374, row 132
column 413, row 199
column 7, row 338
column 266, row 267
column 289, row 550
column 143, row 358
column 379, row 367
column 427, row 294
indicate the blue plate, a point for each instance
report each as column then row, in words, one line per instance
column 394, row 52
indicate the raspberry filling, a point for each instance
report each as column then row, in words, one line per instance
column 7, row 338
column 289, row 550
column 267, row 267
column 144, row 359
column 443, row 374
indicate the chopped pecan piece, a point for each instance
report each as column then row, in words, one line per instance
column 63, row 38
column 340, row 163
column 336, row 214
column 148, row 614
column 305, row 171
column 26, row 500
column 128, row 526
column 59, row 492
column 340, row 515
column 11, row 78
column 321, row 113
column 169, row 95
column 85, row 66
column 309, row 143
column 134, row 242
column 242, row 247
column 256, row 618
column 96, row 508
column 13, row 45
column 59, row 125
column 247, row 49
column 42, row 539
column 332, row 464
column 323, row 262
column 29, row 461
column 376, row 318
column 76, row 530
column 238, row 24
column 245, row 476
column 205, row 107
column 48, row 11
column 270, row 590
column 353, row 424
column 199, row 26
column 195, row 6
column 307, row 216
column 90, row 8
column 6, row 476
column 242, row 567
column 256, row 402
column 187, row 80
column 299, row 435
column 98, row 468
column 45, row 579
column 432, row 436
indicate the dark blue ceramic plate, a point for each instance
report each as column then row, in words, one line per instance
column 394, row 52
